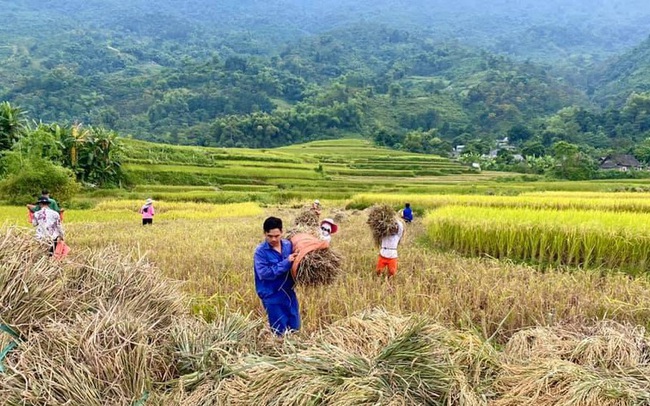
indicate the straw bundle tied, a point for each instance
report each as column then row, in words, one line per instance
column 382, row 222
column 306, row 218
column 302, row 229
column 319, row 267
column 316, row 264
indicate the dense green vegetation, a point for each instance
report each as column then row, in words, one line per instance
column 255, row 75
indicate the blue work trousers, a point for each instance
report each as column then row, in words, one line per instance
column 283, row 317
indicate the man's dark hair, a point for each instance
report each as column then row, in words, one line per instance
column 408, row 204
column 272, row 223
column 44, row 192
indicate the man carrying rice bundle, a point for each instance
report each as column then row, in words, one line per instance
column 273, row 281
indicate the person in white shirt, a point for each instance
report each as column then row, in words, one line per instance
column 48, row 224
column 327, row 228
column 388, row 251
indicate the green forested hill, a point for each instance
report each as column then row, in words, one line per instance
column 625, row 74
column 262, row 74
column 351, row 79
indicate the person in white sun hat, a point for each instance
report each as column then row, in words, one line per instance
column 327, row 228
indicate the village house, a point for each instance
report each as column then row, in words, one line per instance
column 620, row 162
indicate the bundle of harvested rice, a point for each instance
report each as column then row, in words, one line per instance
column 382, row 221
column 553, row 382
column 302, row 229
column 112, row 278
column 212, row 348
column 319, row 267
column 306, row 218
column 30, row 283
column 340, row 217
column 106, row 357
column 408, row 369
column 606, row 344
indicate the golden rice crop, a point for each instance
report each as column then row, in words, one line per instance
column 639, row 203
column 127, row 210
column 213, row 258
column 619, row 241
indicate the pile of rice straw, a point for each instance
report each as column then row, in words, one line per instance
column 101, row 329
column 382, row 221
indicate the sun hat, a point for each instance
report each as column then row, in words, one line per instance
column 332, row 224
column 148, row 201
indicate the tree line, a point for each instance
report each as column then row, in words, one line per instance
column 60, row 158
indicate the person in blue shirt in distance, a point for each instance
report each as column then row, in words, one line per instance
column 407, row 213
column 273, row 280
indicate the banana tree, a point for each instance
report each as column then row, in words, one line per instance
column 12, row 125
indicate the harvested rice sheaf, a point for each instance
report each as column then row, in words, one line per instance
column 306, row 218
column 106, row 357
column 319, row 267
column 606, row 344
column 373, row 358
column 302, row 229
column 382, row 221
column 30, row 282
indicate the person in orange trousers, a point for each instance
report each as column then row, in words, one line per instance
column 388, row 251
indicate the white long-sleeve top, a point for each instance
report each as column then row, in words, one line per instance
column 48, row 224
column 389, row 244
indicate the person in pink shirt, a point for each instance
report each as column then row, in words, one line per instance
column 147, row 212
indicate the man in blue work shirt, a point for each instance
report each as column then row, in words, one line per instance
column 273, row 281
column 407, row 213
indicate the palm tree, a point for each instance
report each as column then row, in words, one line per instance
column 12, row 125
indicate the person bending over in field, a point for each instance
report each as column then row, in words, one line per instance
column 316, row 208
column 273, row 281
column 388, row 252
column 407, row 213
column 147, row 212
column 48, row 224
